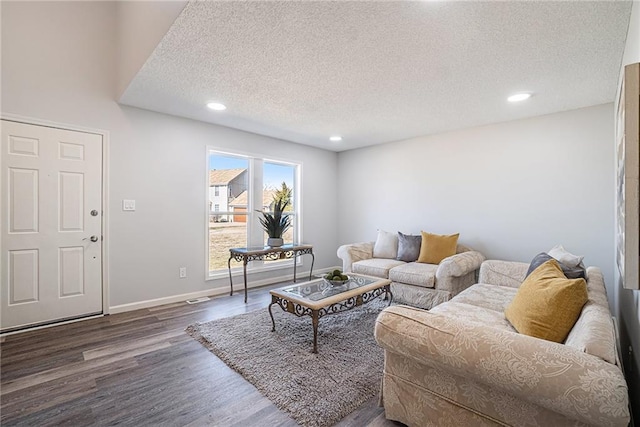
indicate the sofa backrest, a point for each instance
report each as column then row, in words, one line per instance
column 502, row 273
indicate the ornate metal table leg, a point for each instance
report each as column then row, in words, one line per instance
column 273, row 322
column 230, row 279
column 387, row 292
column 313, row 259
column 295, row 261
column 244, row 271
column 314, row 321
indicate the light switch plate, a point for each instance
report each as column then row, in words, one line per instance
column 128, row 205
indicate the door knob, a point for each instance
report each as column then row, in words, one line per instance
column 92, row 238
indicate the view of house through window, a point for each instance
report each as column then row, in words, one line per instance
column 228, row 180
column 237, row 185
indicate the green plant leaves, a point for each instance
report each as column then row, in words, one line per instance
column 276, row 223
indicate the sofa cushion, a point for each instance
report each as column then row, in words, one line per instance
column 492, row 297
column 417, row 296
column 473, row 313
column 576, row 272
column 386, row 245
column 547, row 304
column 434, row 247
column 377, row 267
column 414, row 273
column 408, row 247
column 559, row 253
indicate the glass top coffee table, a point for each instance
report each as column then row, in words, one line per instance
column 318, row 298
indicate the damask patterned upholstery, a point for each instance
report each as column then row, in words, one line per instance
column 492, row 297
column 414, row 273
column 594, row 333
column 462, row 363
column 417, row 295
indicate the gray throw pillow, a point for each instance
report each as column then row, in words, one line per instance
column 577, row 272
column 408, row 247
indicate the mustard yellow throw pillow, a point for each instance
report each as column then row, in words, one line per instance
column 547, row 304
column 435, row 248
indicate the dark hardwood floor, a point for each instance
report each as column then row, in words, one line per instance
column 138, row 368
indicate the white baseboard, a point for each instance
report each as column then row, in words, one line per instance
column 208, row 292
column 122, row 308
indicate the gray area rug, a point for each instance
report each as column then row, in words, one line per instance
column 317, row 390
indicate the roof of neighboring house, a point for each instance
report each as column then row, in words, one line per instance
column 223, row 176
column 241, row 200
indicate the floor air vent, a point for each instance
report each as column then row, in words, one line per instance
column 197, row 300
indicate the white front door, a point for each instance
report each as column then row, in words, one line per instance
column 51, row 216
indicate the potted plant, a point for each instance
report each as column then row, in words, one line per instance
column 276, row 223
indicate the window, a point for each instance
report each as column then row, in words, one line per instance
column 239, row 187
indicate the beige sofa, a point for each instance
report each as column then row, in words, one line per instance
column 413, row 283
column 462, row 363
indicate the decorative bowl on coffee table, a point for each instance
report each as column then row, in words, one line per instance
column 337, row 282
column 336, row 278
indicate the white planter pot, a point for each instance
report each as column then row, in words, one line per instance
column 275, row 242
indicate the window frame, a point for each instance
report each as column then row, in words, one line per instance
column 253, row 227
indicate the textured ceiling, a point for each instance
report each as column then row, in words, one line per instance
column 375, row 72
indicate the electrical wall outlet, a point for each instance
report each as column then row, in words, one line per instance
column 183, row 272
column 128, row 205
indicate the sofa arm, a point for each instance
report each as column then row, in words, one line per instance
column 459, row 264
column 554, row 376
column 354, row 252
column 503, row 273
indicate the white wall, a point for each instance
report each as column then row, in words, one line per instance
column 512, row 190
column 628, row 302
column 58, row 64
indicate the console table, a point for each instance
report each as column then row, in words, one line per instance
column 244, row 255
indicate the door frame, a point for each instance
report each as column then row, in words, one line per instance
column 105, row 187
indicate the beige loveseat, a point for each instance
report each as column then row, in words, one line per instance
column 462, row 363
column 413, row 283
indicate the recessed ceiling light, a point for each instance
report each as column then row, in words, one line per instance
column 216, row 106
column 335, row 138
column 519, row 97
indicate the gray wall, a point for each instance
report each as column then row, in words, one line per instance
column 511, row 190
column 58, row 64
column 628, row 301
